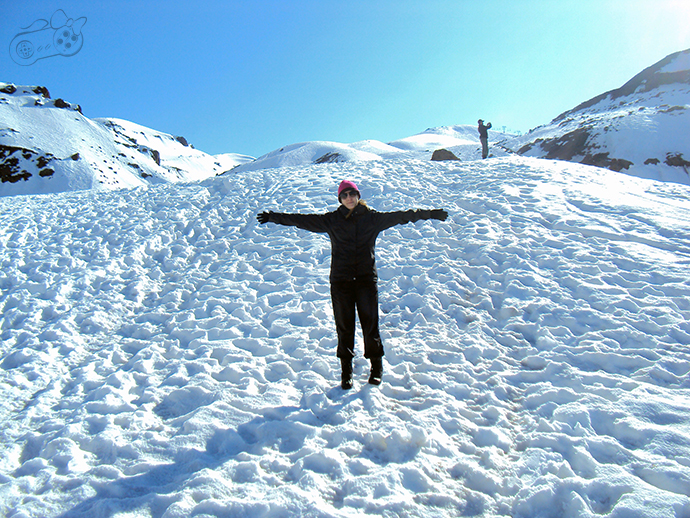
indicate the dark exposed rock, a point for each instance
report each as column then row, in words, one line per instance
column 10, row 171
column 42, row 161
column 676, row 160
column 672, row 109
column 443, row 154
column 329, row 158
column 603, row 160
column 567, row 146
column 156, row 156
column 59, row 103
column 576, row 144
column 42, row 90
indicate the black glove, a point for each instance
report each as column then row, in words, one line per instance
column 438, row 214
column 263, row 217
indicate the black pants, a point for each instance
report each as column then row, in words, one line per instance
column 485, row 147
column 361, row 294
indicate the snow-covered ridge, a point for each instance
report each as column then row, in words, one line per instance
column 318, row 152
column 640, row 128
column 462, row 140
column 50, row 146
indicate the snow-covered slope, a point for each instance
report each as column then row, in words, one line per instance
column 318, row 152
column 443, row 137
column 47, row 146
column 642, row 128
column 463, row 141
column 163, row 355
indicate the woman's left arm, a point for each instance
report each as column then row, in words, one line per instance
column 390, row 219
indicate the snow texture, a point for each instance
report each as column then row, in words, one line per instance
column 162, row 355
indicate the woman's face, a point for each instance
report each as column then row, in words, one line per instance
column 349, row 198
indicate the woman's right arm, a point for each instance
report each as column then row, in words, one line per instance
column 310, row 222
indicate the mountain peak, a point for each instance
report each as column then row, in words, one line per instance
column 49, row 146
column 672, row 70
column 640, row 128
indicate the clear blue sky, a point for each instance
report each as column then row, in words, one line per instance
column 250, row 76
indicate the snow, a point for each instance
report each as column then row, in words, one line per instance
column 305, row 153
column 637, row 130
column 679, row 64
column 163, row 355
column 647, row 128
column 83, row 153
column 462, row 140
column 444, row 137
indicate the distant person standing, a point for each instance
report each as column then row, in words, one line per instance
column 484, row 137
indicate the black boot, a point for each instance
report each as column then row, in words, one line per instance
column 376, row 371
column 346, row 373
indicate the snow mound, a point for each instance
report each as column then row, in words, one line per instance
column 442, row 137
column 318, row 152
column 462, row 140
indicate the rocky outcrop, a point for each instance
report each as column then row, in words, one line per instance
column 17, row 164
column 329, row 158
column 639, row 128
column 443, row 154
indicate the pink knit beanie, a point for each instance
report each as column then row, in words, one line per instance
column 346, row 185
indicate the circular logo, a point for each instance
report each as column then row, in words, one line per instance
column 25, row 49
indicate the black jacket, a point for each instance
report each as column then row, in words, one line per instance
column 484, row 130
column 352, row 239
